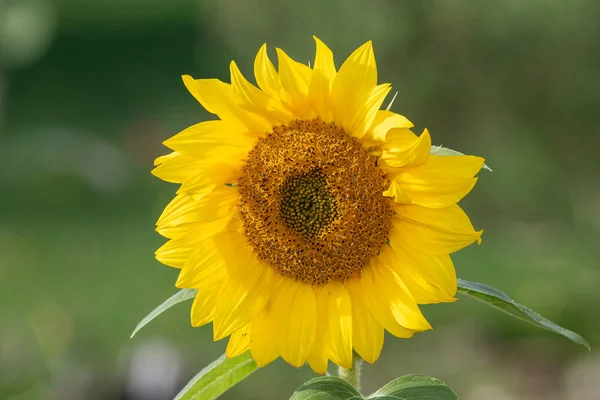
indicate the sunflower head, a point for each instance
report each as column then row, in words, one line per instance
column 309, row 220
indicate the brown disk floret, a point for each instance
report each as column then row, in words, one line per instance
column 312, row 204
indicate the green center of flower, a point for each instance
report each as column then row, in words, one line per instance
column 307, row 205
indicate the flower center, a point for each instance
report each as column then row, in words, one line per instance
column 307, row 206
column 312, row 204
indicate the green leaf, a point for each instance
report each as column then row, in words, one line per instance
column 182, row 295
column 221, row 375
column 415, row 387
column 444, row 151
column 501, row 301
column 326, row 388
column 410, row 387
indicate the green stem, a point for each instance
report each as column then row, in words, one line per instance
column 352, row 375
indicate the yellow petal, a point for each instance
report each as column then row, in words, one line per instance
column 249, row 284
column 440, row 268
column 435, row 269
column 237, row 253
column 367, row 333
column 265, row 73
column 295, row 80
column 399, row 138
column 429, row 193
column 210, row 176
column 385, row 121
column 340, row 324
column 212, row 141
column 395, row 192
column 371, row 297
column 204, row 268
column 199, row 186
column 415, row 154
column 380, row 304
column 185, row 209
column 218, row 98
column 353, row 86
column 438, row 231
column 441, row 182
column 239, row 342
column 379, row 310
column 365, row 115
column 240, row 302
column 318, row 361
column 224, row 153
column 262, row 340
column 322, row 79
column 203, row 308
column 176, row 252
column 195, row 230
column 295, row 310
column 395, row 293
column 318, row 358
column 176, row 167
column 197, row 139
column 177, row 209
column 254, row 100
column 184, row 241
column 424, row 291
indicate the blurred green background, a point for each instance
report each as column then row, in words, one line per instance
column 88, row 91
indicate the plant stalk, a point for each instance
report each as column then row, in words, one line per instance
column 352, row 375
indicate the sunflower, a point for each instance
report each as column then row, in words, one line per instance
column 309, row 219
